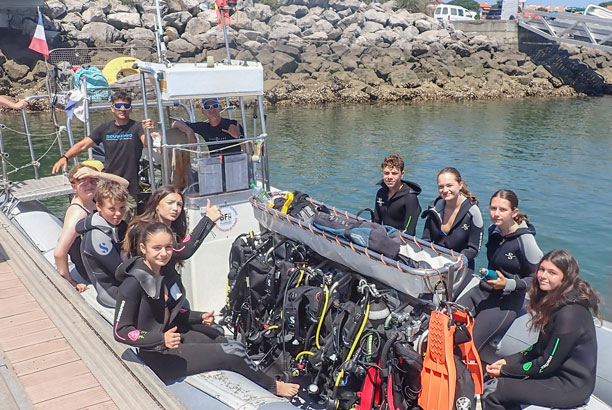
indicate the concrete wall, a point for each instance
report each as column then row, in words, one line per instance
column 504, row 31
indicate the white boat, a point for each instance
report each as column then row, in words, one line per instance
column 598, row 11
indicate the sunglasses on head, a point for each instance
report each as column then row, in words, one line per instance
column 209, row 106
column 119, row 106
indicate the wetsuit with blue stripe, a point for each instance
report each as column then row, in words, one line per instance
column 516, row 256
column 558, row 371
column 149, row 305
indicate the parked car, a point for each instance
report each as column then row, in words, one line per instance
column 494, row 14
column 452, row 13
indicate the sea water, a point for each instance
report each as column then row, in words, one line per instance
column 555, row 154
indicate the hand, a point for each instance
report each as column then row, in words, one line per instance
column 499, row 282
column 81, row 287
column 233, row 130
column 20, row 105
column 172, row 338
column 494, row 369
column 61, row 163
column 86, row 172
column 213, row 212
column 208, row 318
column 147, row 124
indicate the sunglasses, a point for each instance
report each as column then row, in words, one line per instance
column 209, row 106
column 119, row 106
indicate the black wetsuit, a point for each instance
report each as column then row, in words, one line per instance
column 101, row 251
column 75, row 250
column 142, row 315
column 400, row 211
column 558, row 371
column 516, row 256
column 465, row 236
column 217, row 133
column 184, row 248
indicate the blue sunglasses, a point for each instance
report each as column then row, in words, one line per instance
column 209, row 106
column 119, row 106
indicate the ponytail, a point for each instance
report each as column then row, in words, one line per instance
column 464, row 189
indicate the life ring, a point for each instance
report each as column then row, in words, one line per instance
column 119, row 65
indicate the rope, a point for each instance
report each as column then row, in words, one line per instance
column 4, row 127
column 212, row 151
column 35, row 163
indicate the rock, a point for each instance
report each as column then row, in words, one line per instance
column 212, row 39
column 323, row 25
column 39, row 70
column 192, row 6
column 330, row 67
column 241, row 24
column 15, row 71
column 349, row 62
column 307, row 22
column 340, row 5
column 120, row 7
column 178, row 20
column 147, row 20
column 353, row 18
column 172, row 34
column 74, row 6
column 404, row 78
column 271, row 84
column 541, row 72
column 259, row 12
column 475, row 71
column 435, row 36
column 252, row 46
column 376, row 16
column 99, row 34
column 411, row 32
column 265, row 56
column 282, row 31
column 182, row 47
column 398, row 19
column 460, row 48
column 210, row 16
column 371, row 27
column 353, row 95
column 317, row 36
column 282, row 19
column 139, row 34
column 419, row 48
column 293, row 10
column 331, row 16
column 388, row 36
column 124, row 20
column 283, row 63
column 74, row 19
column 197, row 25
column 55, row 9
column 93, row 15
column 423, row 25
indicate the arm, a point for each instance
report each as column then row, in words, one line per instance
column 65, row 241
column 529, row 256
column 146, row 124
column 192, row 242
column 427, row 230
column 126, row 319
column 20, row 105
column 564, row 334
column 412, row 209
column 183, row 127
column 86, row 172
column 75, row 150
column 236, row 131
column 475, row 235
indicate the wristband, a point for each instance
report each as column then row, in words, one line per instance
column 64, row 156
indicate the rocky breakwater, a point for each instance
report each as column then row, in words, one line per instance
column 313, row 50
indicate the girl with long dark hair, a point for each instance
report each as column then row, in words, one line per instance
column 175, row 342
column 166, row 205
column 559, row 370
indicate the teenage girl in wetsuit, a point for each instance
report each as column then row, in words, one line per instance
column 559, row 370
column 172, row 340
column 166, row 205
column 454, row 220
column 84, row 180
column 514, row 255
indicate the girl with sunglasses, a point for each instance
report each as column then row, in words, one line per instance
column 84, row 180
column 559, row 370
column 173, row 341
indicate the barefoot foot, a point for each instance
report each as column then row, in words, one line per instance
column 287, row 389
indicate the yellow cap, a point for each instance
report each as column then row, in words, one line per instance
column 94, row 163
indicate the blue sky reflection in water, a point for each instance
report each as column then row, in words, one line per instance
column 553, row 154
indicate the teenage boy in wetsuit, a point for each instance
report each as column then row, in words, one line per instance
column 123, row 140
column 103, row 231
column 216, row 129
column 397, row 202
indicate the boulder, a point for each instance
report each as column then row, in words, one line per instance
column 171, row 34
column 349, row 62
column 353, row 18
column 423, row 25
column 282, row 31
column 283, row 63
column 182, row 47
column 371, row 27
column 399, row 19
column 139, row 34
column 252, row 46
column 192, row 6
column 331, row 16
column 197, row 25
column 55, row 9
column 404, row 78
column 388, row 36
column 147, row 20
column 419, row 48
column 259, row 12
column 434, row 36
column 323, row 25
column 124, row 20
column 293, row 10
column 282, row 19
column 316, row 36
column 93, row 15
column 376, row 16
column 99, row 34
column 15, row 71
column 307, row 22
column 340, row 5
column 541, row 72
column 178, row 20
column 74, row 6
column 74, row 19
column 212, row 39
column 210, row 16
column 460, row 48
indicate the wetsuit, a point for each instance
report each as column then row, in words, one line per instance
column 101, row 250
column 465, row 236
column 558, row 371
column 401, row 210
column 75, row 249
column 185, row 248
column 516, row 256
column 143, row 314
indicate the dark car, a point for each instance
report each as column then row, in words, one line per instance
column 494, row 14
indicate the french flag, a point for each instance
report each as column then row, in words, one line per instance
column 39, row 41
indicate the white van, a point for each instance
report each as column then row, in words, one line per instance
column 453, row 13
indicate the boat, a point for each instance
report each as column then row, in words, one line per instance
column 597, row 11
column 232, row 185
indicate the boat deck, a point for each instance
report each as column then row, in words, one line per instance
column 51, row 373
column 55, row 351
